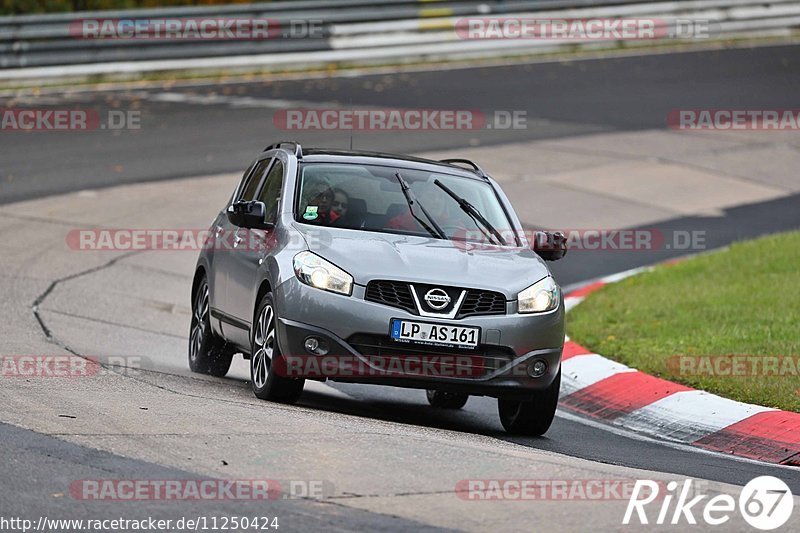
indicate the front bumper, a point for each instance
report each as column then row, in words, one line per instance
column 499, row 367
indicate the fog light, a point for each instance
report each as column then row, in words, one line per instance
column 316, row 346
column 537, row 368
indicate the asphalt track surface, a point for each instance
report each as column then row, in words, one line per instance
column 45, row 465
column 568, row 98
column 181, row 139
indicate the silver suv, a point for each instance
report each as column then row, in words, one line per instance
column 383, row 269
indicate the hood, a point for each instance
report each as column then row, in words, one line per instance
column 369, row 255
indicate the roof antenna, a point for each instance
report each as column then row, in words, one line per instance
column 351, row 142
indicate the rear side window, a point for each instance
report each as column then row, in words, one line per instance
column 271, row 192
column 251, row 184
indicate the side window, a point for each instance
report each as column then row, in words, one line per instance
column 271, row 192
column 243, row 181
column 250, row 188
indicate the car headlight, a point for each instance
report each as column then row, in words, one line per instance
column 540, row 297
column 313, row 270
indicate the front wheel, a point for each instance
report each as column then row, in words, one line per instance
column 208, row 354
column 266, row 383
column 446, row 400
column 531, row 417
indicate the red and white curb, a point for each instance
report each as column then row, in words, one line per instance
column 599, row 388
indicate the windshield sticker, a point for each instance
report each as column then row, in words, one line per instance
column 311, row 212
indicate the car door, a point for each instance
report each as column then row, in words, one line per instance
column 221, row 230
column 226, row 248
column 250, row 249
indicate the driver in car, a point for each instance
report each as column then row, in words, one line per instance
column 316, row 205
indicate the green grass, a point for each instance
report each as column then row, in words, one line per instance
column 744, row 300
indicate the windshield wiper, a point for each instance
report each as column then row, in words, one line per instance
column 411, row 199
column 473, row 212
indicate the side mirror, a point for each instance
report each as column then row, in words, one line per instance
column 248, row 215
column 550, row 245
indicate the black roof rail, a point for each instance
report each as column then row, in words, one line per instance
column 298, row 150
column 475, row 167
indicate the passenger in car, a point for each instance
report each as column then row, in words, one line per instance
column 340, row 205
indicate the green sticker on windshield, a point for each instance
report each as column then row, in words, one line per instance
column 311, row 212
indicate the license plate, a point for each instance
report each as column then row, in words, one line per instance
column 435, row 334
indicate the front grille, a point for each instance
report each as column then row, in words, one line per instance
column 393, row 293
column 398, row 294
column 381, row 349
column 478, row 302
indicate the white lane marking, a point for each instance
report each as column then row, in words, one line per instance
column 571, row 301
column 583, row 370
column 628, row 434
column 613, row 278
column 233, row 101
column 688, row 415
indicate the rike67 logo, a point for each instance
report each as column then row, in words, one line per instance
column 765, row 503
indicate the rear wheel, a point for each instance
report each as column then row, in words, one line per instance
column 446, row 400
column 534, row 416
column 266, row 383
column 207, row 352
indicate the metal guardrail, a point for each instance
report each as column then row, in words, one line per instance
column 347, row 30
column 31, row 41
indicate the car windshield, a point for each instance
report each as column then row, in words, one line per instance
column 370, row 198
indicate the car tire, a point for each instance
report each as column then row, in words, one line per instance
column 264, row 350
column 531, row 417
column 208, row 354
column 446, row 400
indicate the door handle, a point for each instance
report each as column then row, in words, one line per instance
column 218, row 230
column 237, row 240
